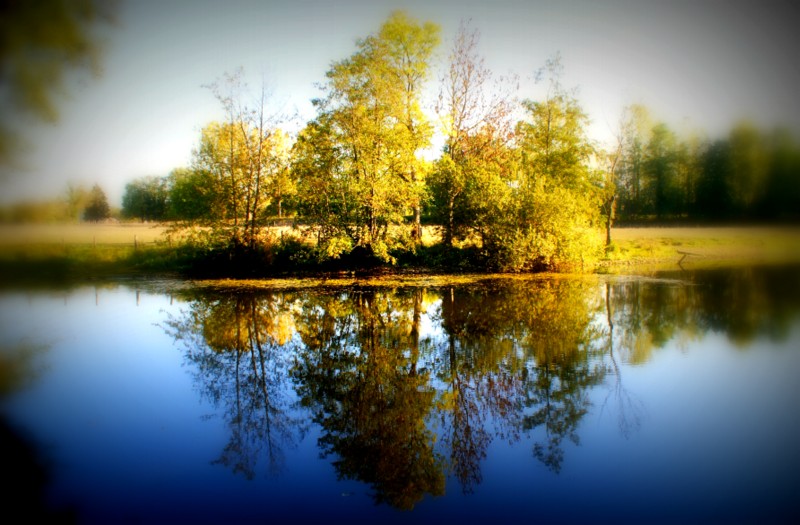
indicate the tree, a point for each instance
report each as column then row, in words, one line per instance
column 551, row 217
column 553, row 140
column 687, row 164
column 405, row 48
column 634, row 130
column 281, row 184
column 609, row 180
column 782, row 192
column 146, row 198
column 192, row 196
column 712, row 191
column 613, row 164
column 39, row 42
column 476, row 117
column 358, row 162
column 75, row 199
column 240, row 157
column 97, row 207
column 749, row 165
column 660, row 171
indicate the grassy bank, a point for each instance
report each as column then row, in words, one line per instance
column 700, row 246
column 77, row 252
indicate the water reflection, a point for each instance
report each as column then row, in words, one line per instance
column 743, row 303
column 240, row 348
column 19, row 365
column 630, row 410
column 27, row 474
column 358, row 372
column 409, row 387
column 521, row 354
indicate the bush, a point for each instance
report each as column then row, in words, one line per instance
column 551, row 228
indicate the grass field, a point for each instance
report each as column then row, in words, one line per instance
column 692, row 245
column 641, row 246
column 81, row 233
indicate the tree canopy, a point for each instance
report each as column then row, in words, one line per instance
column 518, row 185
column 358, row 162
column 39, row 42
column 97, row 208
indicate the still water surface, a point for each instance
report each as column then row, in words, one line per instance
column 526, row 400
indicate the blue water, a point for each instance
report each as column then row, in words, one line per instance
column 542, row 400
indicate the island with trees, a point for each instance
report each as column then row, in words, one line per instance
column 514, row 185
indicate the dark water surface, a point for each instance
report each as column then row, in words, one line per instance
column 667, row 399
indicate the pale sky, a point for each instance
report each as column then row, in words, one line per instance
column 698, row 65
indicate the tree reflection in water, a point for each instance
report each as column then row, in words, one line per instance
column 358, row 373
column 412, row 385
column 630, row 410
column 522, row 354
column 241, row 347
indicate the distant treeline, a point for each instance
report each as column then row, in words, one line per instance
column 76, row 204
column 749, row 176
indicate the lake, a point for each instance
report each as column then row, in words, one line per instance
column 666, row 398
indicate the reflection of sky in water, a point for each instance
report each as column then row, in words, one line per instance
column 721, row 428
column 118, row 414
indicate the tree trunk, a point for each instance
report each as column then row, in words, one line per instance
column 448, row 232
column 610, row 219
column 416, row 233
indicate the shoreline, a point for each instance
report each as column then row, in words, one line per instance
column 634, row 250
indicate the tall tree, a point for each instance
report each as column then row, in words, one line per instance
column 609, row 182
column 553, row 139
column 75, row 199
column 782, row 192
column 476, row 113
column 281, row 184
column 635, row 131
column 97, row 208
column 193, row 196
column 404, row 49
column 241, row 156
column 712, row 201
column 660, row 171
column 552, row 217
column 749, row 165
column 360, row 158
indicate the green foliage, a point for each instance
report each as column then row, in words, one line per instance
column 97, row 208
column 635, row 126
column 357, row 164
column 506, row 193
column 146, row 198
column 664, row 177
column 711, row 196
column 550, row 215
column 39, row 42
column 34, row 212
column 192, row 196
column 239, row 166
column 469, row 178
column 75, row 201
column 553, row 142
column 470, row 190
column 551, row 228
column 660, row 171
column 782, row 192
